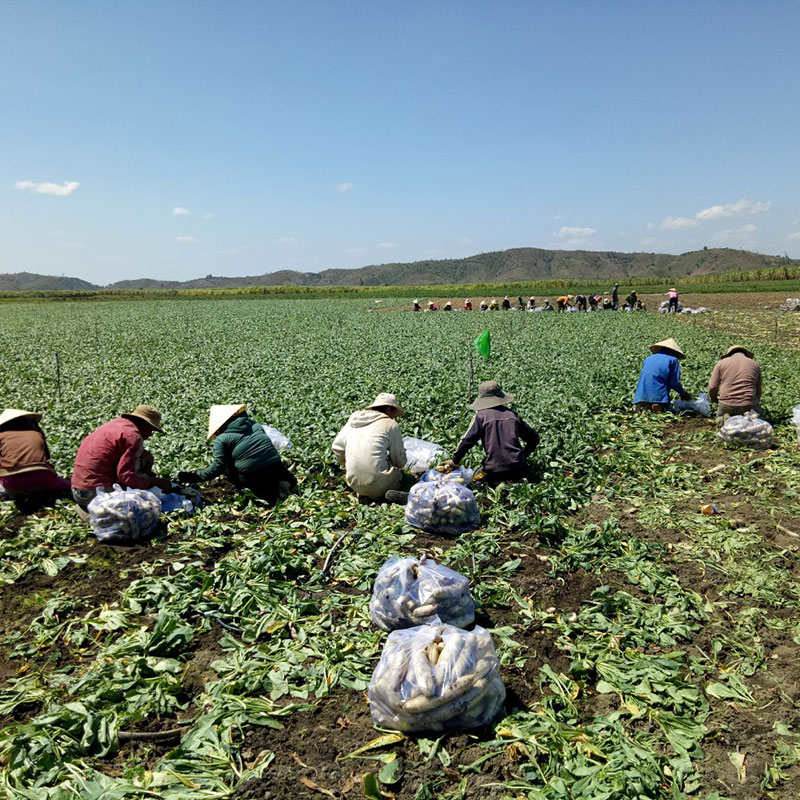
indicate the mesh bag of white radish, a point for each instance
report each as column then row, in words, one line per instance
column 462, row 475
column 410, row 591
column 420, row 454
column 129, row 514
column 436, row 678
column 442, row 507
column 700, row 405
column 748, row 430
column 280, row 441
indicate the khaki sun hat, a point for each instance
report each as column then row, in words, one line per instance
column 16, row 413
column 148, row 414
column 490, row 395
column 668, row 344
column 387, row 399
column 219, row 415
column 734, row 348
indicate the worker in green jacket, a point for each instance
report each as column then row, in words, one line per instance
column 244, row 454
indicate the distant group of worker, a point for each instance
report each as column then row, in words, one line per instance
column 564, row 303
column 369, row 447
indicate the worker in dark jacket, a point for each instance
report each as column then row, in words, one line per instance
column 244, row 454
column 500, row 430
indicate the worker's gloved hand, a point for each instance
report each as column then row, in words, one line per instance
column 165, row 484
column 447, row 466
column 188, row 477
column 688, row 398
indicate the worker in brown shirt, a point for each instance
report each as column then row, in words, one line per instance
column 27, row 475
column 735, row 384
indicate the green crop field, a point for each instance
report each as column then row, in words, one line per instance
column 648, row 650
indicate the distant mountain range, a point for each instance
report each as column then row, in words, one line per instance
column 506, row 266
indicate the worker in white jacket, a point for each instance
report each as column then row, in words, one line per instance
column 370, row 448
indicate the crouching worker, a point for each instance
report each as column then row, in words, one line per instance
column 371, row 450
column 26, row 475
column 115, row 453
column 244, row 454
column 661, row 373
column 499, row 429
column 735, row 384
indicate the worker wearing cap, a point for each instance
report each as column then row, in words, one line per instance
column 564, row 301
column 26, row 474
column 735, row 384
column 371, row 450
column 499, row 429
column 661, row 374
column 244, row 454
column 115, row 453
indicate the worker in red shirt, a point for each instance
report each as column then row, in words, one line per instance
column 115, row 453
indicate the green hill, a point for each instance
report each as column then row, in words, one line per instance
column 30, row 282
column 523, row 264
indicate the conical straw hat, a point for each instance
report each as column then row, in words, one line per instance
column 15, row 413
column 219, row 415
column 668, row 344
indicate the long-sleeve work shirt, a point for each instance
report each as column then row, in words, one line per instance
column 499, row 429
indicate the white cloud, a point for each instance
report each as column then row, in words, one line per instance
column 465, row 240
column 208, row 216
column 355, row 251
column 741, row 208
column 571, row 231
column 345, row 187
column 59, row 190
column 284, row 240
column 185, row 239
column 179, row 211
column 386, row 245
column 558, row 217
column 793, row 237
column 678, row 223
column 743, row 235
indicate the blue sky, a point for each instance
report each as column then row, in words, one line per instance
column 176, row 139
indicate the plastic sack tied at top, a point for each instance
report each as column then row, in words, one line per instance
column 442, row 507
column 280, row 441
column 462, row 475
column 436, row 678
column 748, row 430
column 410, row 591
column 420, row 454
column 700, row 405
column 130, row 514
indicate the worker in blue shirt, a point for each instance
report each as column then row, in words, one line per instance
column 661, row 373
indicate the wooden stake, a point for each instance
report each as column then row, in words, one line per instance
column 58, row 375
